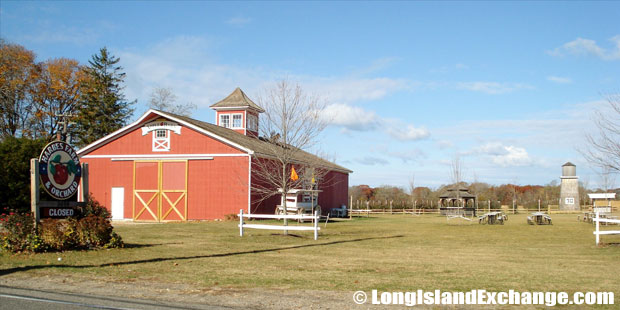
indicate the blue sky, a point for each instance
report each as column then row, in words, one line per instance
column 509, row 87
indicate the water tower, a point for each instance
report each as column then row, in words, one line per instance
column 569, row 188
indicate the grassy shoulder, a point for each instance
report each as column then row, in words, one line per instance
column 398, row 252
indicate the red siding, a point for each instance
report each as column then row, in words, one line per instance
column 105, row 174
column 334, row 188
column 334, row 191
column 188, row 142
column 217, row 187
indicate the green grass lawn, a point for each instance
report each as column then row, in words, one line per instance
column 397, row 252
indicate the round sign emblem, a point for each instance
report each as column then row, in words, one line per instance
column 60, row 170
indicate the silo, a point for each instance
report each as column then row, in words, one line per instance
column 569, row 188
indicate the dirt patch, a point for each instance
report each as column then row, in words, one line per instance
column 252, row 298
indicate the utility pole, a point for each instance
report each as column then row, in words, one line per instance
column 63, row 127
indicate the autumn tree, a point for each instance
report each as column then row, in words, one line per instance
column 56, row 92
column 102, row 107
column 164, row 99
column 18, row 72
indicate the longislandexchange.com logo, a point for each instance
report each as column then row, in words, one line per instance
column 60, row 170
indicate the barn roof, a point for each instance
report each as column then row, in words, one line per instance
column 259, row 146
column 248, row 144
column 237, row 99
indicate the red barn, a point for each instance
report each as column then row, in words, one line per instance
column 167, row 167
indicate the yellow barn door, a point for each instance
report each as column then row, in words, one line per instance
column 160, row 191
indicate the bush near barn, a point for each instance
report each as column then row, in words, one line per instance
column 90, row 230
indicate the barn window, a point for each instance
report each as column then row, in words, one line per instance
column 237, row 121
column 161, row 140
column 225, row 120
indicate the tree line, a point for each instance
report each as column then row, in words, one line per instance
column 497, row 195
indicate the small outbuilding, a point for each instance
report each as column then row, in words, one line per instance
column 457, row 197
column 168, row 167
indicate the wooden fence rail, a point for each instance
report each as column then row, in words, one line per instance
column 598, row 232
column 315, row 222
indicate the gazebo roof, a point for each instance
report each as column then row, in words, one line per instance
column 457, row 192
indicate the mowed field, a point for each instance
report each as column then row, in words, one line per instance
column 384, row 252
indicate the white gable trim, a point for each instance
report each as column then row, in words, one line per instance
column 135, row 124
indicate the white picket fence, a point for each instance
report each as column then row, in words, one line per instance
column 315, row 222
column 598, row 232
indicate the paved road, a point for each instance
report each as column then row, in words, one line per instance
column 29, row 299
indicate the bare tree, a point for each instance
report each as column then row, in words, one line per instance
column 604, row 148
column 291, row 124
column 456, row 175
column 412, row 188
column 607, row 179
column 164, row 99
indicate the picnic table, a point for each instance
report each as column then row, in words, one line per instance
column 492, row 218
column 539, row 218
column 589, row 216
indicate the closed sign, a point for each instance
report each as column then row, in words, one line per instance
column 57, row 212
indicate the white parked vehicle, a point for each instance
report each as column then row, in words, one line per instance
column 300, row 201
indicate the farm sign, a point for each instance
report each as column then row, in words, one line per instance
column 60, row 170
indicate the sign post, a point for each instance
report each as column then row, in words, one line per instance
column 34, row 189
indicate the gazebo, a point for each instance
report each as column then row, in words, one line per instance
column 458, row 198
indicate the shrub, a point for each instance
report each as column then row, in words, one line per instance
column 18, row 232
column 91, row 229
column 93, row 207
column 115, row 242
column 231, row 217
column 58, row 235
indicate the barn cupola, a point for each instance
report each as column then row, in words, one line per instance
column 238, row 113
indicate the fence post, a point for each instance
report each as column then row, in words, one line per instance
column 316, row 225
column 351, row 208
column 241, row 223
column 597, row 228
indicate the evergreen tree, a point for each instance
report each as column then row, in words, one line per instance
column 103, row 108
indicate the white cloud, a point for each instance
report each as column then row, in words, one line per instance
column 581, row 46
column 450, row 68
column 239, row 21
column 559, row 79
column 351, row 117
column 185, row 64
column 372, row 161
column 492, row 88
column 503, row 155
column 408, row 133
column 350, row 90
column 408, row 156
column 445, row 144
column 358, row 119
